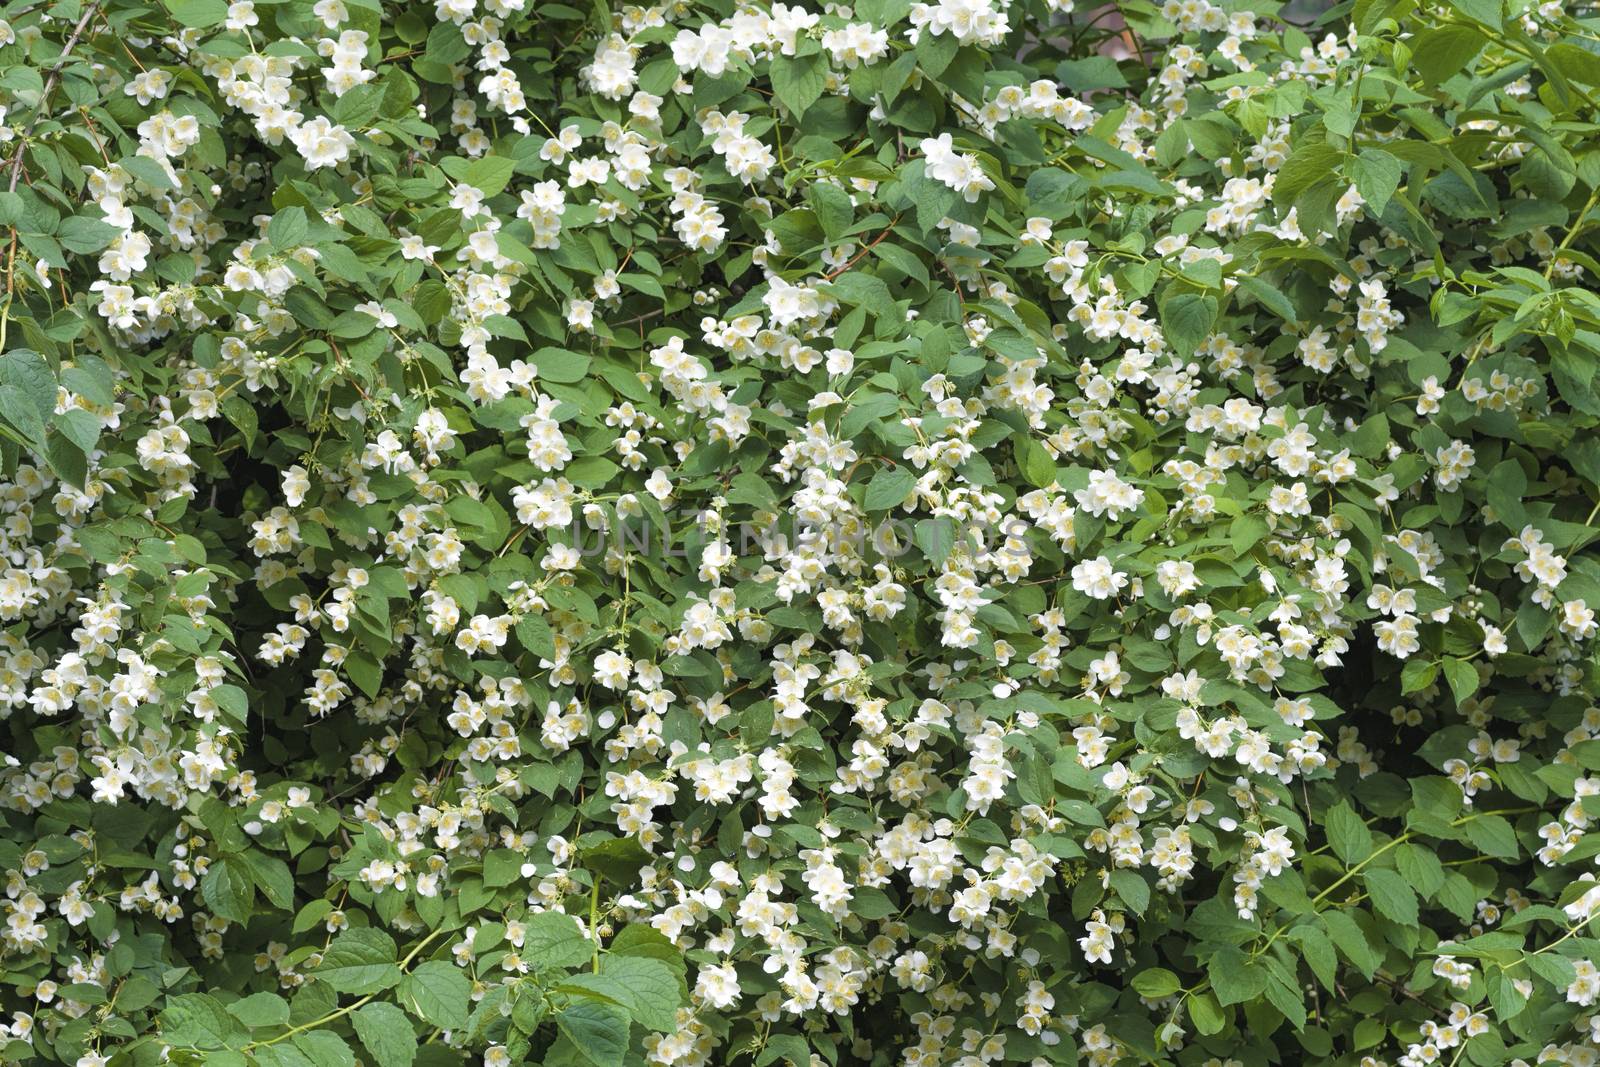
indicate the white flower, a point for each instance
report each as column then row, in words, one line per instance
column 659, row 484
column 322, row 144
column 959, row 170
column 1098, row 578
column 611, row 669
column 242, row 15
column 718, row 986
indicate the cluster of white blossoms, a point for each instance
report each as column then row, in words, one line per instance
column 961, row 171
column 914, row 525
column 976, row 22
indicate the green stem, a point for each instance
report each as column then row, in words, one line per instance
column 594, row 920
column 1572, row 234
column 1401, row 838
column 346, row 1010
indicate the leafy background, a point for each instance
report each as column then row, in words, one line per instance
column 336, row 337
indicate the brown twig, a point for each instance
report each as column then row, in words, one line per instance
column 857, row 257
column 49, row 86
column 646, row 317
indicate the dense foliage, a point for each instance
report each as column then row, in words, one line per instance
column 812, row 534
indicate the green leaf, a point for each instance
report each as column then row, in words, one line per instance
column 1348, row 835
column 935, row 537
column 791, row 1048
column 1289, row 1000
column 289, row 228
column 1155, row 983
column 283, row 1054
column 1318, row 953
column 889, row 488
column 1351, row 942
column 1492, row 835
column 1234, row 978
column 312, row 914
column 536, row 637
column 1573, row 371
column 1577, row 63
column 196, row 1020
column 559, row 365
column 438, row 993
column 1306, row 166
column 146, row 170
column 1093, row 72
column 1034, row 462
column 1417, row 675
column 83, row 234
column 489, row 174
column 1419, row 867
column 365, row 671
column 228, row 890
column 1132, row 888
column 833, row 207
column 1391, row 896
column 935, row 52
column 638, row 939
column 325, row 1049
column 198, row 14
column 1269, row 297
column 654, row 990
column 67, row 459
column 501, row 867
column 236, row 705
column 590, row 472
column 227, row 1059
column 933, row 199
column 359, row 961
column 1187, row 320
column 1462, row 676
column 597, row 1029
column 902, row 260
column 27, row 393
column 1206, row 1013
column 555, row 940
column 387, row 1033
column 90, row 378
column 1377, row 176
column 1372, row 436
column 1446, row 51
column 860, row 289
column 798, row 81
column 1507, row 1000
column 1558, row 971
column 272, row 876
column 261, row 1009
column 1487, row 12
column 1245, row 532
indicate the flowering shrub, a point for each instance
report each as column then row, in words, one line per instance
column 738, row 534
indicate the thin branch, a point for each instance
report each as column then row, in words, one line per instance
column 49, row 86
column 870, row 246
